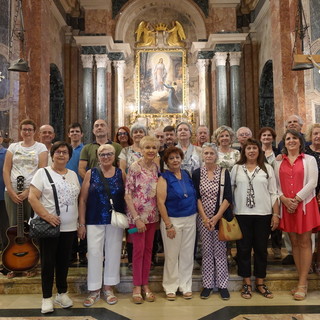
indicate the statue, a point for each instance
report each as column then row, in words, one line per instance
column 175, row 34
column 145, row 35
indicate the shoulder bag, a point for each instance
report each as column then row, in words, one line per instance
column 40, row 228
column 118, row 219
column 228, row 230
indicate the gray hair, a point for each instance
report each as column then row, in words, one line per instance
column 137, row 126
column 185, row 123
column 212, row 146
column 300, row 121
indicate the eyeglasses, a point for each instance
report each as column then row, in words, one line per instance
column 106, row 155
column 122, row 133
column 27, row 129
column 245, row 134
column 64, row 153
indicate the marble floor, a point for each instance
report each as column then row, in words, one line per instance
column 196, row 308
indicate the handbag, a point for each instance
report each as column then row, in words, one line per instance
column 228, row 230
column 118, row 219
column 40, row 228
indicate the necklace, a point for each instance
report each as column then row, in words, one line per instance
column 63, row 175
column 183, row 186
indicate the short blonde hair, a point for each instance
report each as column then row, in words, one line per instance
column 219, row 131
column 310, row 129
column 149, row 139
column 107, row 146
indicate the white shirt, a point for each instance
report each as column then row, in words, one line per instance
column 265, row 191
column 68, row 190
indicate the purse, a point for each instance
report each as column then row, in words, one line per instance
column 40, row 228
column 118, row 219
column 228, row 230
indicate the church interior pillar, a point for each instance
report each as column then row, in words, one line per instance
column 202, row 65
column 101, row 106
column 120, row 67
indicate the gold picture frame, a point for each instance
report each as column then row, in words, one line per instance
column 160, row 81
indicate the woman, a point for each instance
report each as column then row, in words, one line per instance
column 123, row 137
column 177, row 204
column 313, row 135
column 23, row 158
column 132, row 153
column 143, row 214
column 297, row 176
column 227, row 156
column 55, row 253
column 257, row 210
column 266, row 137
column 192, row 154
column 214, row 259
column 104, row 240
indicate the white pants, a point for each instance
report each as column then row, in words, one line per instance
column 178, row 252
column 104, row 243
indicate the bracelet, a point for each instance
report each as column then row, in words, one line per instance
column 170, row 227
column 82, row 225
column 276, row 215
column 136, row 218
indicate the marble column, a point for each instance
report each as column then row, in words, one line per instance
column 87, row 118
column 101, row 105
column 234, row 58
column 222, row 92
column 119, row 72
column 202, row 65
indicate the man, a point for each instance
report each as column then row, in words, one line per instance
column 202, row 135
column 170, row 136
column 75, row 134
column 243, row 134
column 88, row 155
column 46, row 136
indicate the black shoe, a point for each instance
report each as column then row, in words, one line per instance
column 205, row 293
column 224, row 293
column 288, row 260
column 83, row 259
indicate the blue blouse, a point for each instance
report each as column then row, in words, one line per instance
column 181, row 198
column 98, row 205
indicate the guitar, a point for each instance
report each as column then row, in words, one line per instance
column 21, row 254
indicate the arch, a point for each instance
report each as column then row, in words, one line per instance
column 57, row 106
column 266, row 98
column 135, row 8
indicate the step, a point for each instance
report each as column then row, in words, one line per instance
column 279, row 278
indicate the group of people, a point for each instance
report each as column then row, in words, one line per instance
column 162, row 180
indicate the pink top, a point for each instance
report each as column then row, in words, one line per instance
column 141, row 183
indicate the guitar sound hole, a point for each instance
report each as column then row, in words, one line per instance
column 20, row 240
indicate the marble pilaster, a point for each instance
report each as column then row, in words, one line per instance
column 87, row 119
column 119, row 72
column 202, row 65
column 223, row 117
column 101, row 101
column 235, row 89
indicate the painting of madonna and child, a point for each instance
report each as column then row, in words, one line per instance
column 161, row 84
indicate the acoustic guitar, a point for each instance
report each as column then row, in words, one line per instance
column 21, row 254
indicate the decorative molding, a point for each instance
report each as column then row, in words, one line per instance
column 224, row 3
column 223, row 38
column 93, row 50
column 96, row 4
column 234, row 58
column 87, row 60
column 220, row 58
column 101, row 60
column 57, row 14
column 261, row 16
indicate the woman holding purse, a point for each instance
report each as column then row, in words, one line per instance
column 104, row 240
column 257, row 211
column 207, row 182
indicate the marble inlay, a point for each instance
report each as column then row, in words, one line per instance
column 205, row 54
column 4, row 22
column 315, row 19
column 4, row 82
column 317, row 113
column 116, row 56
column 204, row 6
column 316, row 77
column 227, row 47
column 116, row 6
column 93, row 50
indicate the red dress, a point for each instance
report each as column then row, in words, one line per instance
column 291, row 180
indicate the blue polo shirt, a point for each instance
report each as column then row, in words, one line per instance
column 3, row 152
column 73, row 163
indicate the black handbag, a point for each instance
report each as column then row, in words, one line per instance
column 40, row 228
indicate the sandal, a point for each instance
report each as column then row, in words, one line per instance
column 171, row 296
column 137, row 298
column 187, row 295
column 148, row 296
column 11, row 275
column 30, row 273
column 110, row 297
column 246, row 293
column 266, row 293
column 301, row 293
column 93, row 297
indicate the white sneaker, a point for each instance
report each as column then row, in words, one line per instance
column 47, row 305
column 63, row 300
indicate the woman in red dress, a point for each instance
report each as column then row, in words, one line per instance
column 297, row 175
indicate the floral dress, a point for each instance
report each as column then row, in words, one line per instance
column 229, row 159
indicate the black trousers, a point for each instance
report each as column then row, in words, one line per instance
column 4, row 225
column 55, row 255
column 256, row 231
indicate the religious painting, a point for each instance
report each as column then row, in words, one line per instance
column 160, row 81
